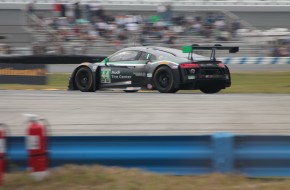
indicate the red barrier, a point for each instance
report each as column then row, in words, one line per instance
column 2, row 152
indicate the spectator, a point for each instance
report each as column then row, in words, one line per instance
column 30, row 11
column 56, row 9
column 77, row 10
column 86, row 9
column 70, row 10
column 30, row 8
column 5, row 49
column 95, row 9
column 236, row 25
column 62, row 10
column 161, row 9
column 209, row 20
column 197, row 27
column 283, row 51
column 220, row 23
column 167, row 15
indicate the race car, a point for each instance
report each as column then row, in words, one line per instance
column 155, row 68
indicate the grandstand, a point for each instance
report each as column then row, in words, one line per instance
column 253, row 39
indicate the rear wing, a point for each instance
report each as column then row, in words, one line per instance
column 190, row 49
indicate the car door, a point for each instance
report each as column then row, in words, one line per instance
column 140, row 70
column 118, row 71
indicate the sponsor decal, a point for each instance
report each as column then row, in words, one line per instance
column 191, row 77
column 116, row 72
column 106, row 75
column 23, row 74
column 149, row 75
column 121, row 77
column 118, row 83
column 29, row 72
column 149, row 86
column 117, row 75
column 139, row 74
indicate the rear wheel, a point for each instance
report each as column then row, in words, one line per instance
column 229, row 81
column 84, row 79
column 163, row 80
column 210, row 89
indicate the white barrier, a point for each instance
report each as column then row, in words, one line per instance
column 256, row 60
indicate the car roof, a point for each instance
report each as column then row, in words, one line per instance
column 165, row 50
column 144, row 48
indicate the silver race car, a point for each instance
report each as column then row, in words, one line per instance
column 155, row 68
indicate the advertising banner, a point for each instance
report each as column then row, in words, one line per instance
column 23, row 74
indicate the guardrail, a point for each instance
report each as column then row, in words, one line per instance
column 251, row 155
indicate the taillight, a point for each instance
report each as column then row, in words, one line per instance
column 189, row 65
column 221, row 65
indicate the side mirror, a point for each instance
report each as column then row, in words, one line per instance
column 106, row 60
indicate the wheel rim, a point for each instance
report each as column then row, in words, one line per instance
column 164, row 79
column 83, row 79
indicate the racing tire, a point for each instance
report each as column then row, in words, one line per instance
column 229, row 81
column 84, row 79
column 210, row 90
column 163, row 80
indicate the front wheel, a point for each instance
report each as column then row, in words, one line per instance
column 84, row 79
column 163, row 80
column 210, row 89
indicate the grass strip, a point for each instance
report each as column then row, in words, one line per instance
column 73, row 177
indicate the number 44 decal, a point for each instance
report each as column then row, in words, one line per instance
column 106, row 76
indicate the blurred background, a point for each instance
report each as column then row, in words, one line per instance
column 259, row 27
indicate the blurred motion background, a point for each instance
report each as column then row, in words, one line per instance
column 259, row 27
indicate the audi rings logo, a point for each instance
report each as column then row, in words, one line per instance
column 192, row 71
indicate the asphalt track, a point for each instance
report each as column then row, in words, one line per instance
column 146, row 113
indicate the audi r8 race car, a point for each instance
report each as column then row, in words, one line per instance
column 148, row 67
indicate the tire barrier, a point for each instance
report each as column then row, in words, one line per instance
column 251, row 155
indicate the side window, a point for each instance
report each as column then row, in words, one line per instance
column 153, row 57
column 115, row 57
column 144, row 56
column 124, row 56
